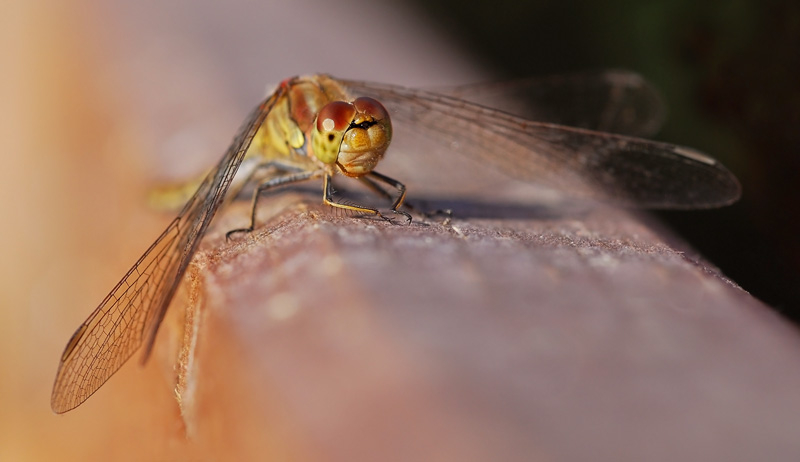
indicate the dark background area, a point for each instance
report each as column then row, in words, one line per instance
column 730, row 74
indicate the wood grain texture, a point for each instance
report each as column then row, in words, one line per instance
column 545, row 335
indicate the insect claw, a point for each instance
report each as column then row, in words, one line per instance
column 404, row 214
column 236, row 231
column 384, row 217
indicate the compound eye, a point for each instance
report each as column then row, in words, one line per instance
column 333, row 120
column 371, row 107
column 335, row 117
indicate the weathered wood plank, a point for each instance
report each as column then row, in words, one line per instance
column 566, row 336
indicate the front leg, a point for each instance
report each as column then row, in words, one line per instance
column 400, row 187
column 327, row 197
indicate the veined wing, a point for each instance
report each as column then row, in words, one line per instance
column 578, row 162
column 133, row 311
column 615, row 101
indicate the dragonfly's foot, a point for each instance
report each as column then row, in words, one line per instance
column 383, row 217
column 404, row 214
column 230, row 233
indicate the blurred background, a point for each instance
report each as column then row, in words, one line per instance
column 101, row 99
column 730, row 74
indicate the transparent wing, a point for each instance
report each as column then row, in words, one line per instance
column 614, row 101
column 133, row 311
column 578, row 162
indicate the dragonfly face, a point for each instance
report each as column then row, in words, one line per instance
column 354, row 136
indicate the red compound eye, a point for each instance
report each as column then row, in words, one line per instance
column 335, row 116
column 371, row 107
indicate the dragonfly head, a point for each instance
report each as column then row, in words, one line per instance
column 354, row 136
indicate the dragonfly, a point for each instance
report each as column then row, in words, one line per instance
column 317, row 126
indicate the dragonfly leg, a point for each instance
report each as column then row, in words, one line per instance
column 328, row 199
column 378, row 189
column 400, row 187
column 267, row 185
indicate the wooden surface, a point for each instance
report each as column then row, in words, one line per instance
column 546, row 336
